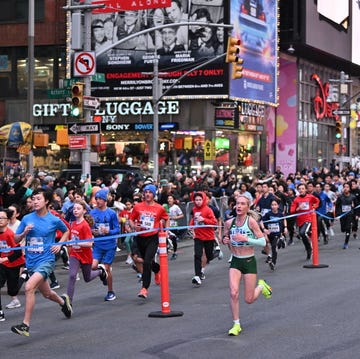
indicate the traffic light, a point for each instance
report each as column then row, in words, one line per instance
column 237, row 69
column 77, row 98
column 338, row 130
column 233, row 50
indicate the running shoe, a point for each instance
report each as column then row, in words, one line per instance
column 15, row 303
column 66, row 267
column 267, row 290
column 235, row 330
column 157, row 278
column 66, row 308
column 345, row 246
column 143, row 293
column 196, row 280
column 103, row 275
column 110, row 296
column 268, row 259
column 173, row 257
column 2, row 316
column 272, row 266
column 54, row 285
column 129, row 260
column 21, row 329
column 332, row 234
column 202, row 275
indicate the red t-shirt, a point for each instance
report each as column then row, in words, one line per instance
column 7, row 241
column 149, row 217
column 81, row 231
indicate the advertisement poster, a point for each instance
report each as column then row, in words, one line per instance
column 255, row 25
column 286, row 118
column 128, row 65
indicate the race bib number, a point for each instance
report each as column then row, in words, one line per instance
column 3, row 245
column 147, row 221
column 37, row 243
column 274, row 227
column 346, row 208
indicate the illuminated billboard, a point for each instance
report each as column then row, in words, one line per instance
column 128, row 66
column 255, row 24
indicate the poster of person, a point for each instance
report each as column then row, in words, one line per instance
column 125, row 51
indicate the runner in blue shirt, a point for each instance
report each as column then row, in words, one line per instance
column 39, row 228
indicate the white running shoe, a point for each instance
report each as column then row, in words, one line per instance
column 15, row 303
column 129, row 260
column 332, row 234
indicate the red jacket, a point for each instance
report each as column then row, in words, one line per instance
column 303, row 204
column 205, row 233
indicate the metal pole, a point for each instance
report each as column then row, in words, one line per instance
column 156, row 92
column 85, row 161
column 31, row 70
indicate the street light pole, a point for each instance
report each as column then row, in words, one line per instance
column 85, row 160
column 31, row 70
column 156, row 94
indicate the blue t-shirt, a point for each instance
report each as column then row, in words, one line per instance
column 107, row 218
column 42, row 235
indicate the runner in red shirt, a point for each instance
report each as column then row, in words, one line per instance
column 10, row 261
column 81, row 253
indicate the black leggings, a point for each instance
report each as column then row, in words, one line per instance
column 147, row 247
column 199, row 245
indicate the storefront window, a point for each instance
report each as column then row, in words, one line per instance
column 43, row 76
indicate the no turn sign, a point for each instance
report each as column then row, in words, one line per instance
column 84, row 64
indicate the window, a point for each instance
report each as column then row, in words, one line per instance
column 17, row 10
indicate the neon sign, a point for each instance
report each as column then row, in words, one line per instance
column 321, row 107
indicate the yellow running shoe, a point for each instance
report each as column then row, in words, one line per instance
column 267, row 290
column 235, row 330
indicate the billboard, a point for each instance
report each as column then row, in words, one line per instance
column 128, row 65
column 255, row 24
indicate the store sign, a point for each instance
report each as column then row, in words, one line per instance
column 226, row 117
column 139, row 127
column 123, row 108
column 251, row 109
column 322, row 108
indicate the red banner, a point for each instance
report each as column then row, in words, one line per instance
column 121, row 5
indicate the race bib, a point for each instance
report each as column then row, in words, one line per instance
column 274, row 227
column 346, row 208
column 147, row 221
column 38, row 242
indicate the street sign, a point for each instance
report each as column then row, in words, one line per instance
column 58, row 93
column 77, row 142
column 98, row 77
column 83, row 128
column 339, row 112
column 91, row 103
column 67, row 83
column 84, row 63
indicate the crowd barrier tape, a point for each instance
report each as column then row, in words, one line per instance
column 120, row 235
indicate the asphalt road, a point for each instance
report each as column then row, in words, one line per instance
column 314, row 313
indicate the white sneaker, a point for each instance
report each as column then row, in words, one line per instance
column 77, row 276
column 129, row 260
column 230, row 259
column 118, row 249
column 15, row 303
column 331, row 232
column 196, row 280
